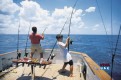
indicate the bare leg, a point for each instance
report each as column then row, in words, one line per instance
column 31, row 55
column 41, row 55
column 63, row 68
column 71, row 71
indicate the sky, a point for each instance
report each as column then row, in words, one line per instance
column 53, row 14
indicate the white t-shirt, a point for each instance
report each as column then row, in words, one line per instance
column 66, row 55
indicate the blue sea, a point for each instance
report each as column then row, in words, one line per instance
column 98, row 47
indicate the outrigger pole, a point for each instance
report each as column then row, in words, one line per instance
column 18, row 53
column 113, row 55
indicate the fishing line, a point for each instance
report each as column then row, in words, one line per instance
column 111, row 46
column 103, row 23
column 113, row 55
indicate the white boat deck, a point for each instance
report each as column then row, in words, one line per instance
column 51, row 72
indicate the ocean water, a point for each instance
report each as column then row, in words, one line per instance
column 98, row 47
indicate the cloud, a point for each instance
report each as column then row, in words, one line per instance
column 96, row 26
column 8, row 6
column 90, row 9
column 31, row 11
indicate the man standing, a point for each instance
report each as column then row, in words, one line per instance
column 63, row 49
column 35, row 43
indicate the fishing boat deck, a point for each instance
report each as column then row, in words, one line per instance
column 51, row 72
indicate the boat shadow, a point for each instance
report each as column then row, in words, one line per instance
column 36, row 78
column 65, row 73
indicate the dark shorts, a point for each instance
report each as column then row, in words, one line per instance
column 70, row 63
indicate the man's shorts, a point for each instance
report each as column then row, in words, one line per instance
column 70, row 63
column 36, row 47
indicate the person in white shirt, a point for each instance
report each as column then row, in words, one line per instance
column 66, row 55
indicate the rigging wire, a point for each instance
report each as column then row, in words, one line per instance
column 111, row 20
column 111, row 27
column 103, row 22
column 104, row 25
column 111, row 45
column 113, row 55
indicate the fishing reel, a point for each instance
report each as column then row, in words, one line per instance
column 52, row 56
column 18, row 55
column 26, row 54
column 71, row 41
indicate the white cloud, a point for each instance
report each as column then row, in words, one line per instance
column 96, row 26
column 32, row 11
column 90, row 9
column 8, row 6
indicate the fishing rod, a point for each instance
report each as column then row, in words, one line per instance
column 26, row 54
column 70, row 23
column 52, row 55
column 61, row 32
column 113, row 55
column 44, row 30
column 18, row 53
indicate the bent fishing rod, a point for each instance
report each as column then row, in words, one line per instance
column 44, row 30
column 50, row 56
column 70, row 23
column 60, row 33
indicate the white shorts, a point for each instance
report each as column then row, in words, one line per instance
column 36, row 47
